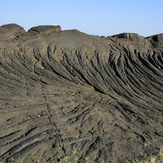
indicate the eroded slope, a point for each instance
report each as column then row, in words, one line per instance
column 64, row 90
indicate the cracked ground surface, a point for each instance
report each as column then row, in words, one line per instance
column 65, row 90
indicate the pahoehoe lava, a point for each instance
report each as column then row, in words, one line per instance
column 65, row 90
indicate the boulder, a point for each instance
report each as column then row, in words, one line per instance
column 156, row 40
column 45, row 30
column 135, row 38
column 10, row 31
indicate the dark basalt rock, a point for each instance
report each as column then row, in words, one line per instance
column 156, row 40
column 10, row 31
column 62, row 91
column 135, row 38
column 45, row 30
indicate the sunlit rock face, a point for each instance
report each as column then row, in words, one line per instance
column 65, row 91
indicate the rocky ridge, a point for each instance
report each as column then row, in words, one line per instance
column 66, row 90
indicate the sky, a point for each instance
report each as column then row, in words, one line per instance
column 95, row 17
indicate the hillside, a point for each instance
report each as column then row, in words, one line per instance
column 64, row 91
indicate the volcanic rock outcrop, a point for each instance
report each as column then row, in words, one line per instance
column 64, row 91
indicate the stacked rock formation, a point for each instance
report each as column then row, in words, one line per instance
column 64, row 91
